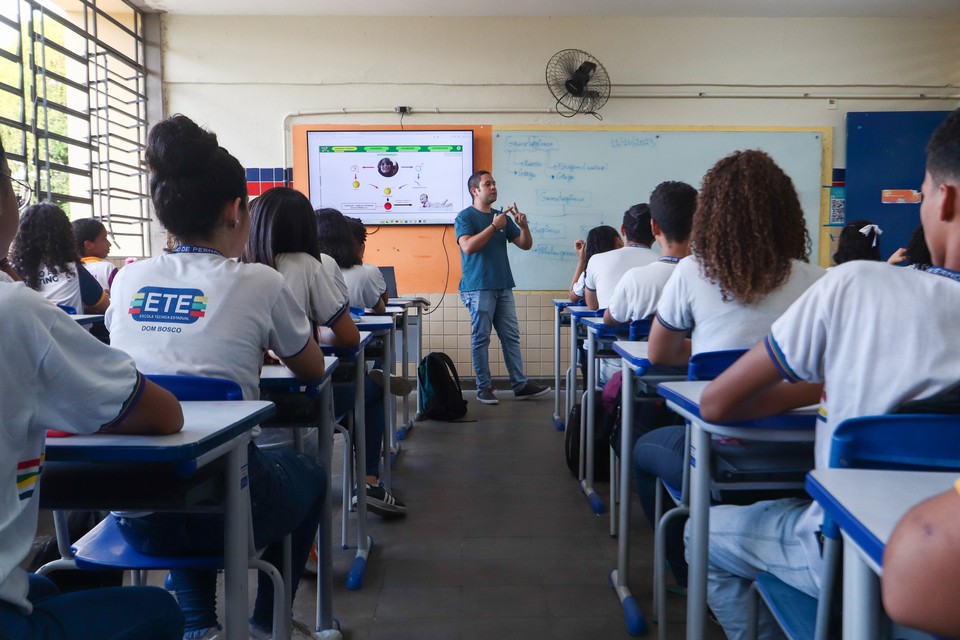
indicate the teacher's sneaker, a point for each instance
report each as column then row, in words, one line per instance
column 486, row 396
column 531, row 390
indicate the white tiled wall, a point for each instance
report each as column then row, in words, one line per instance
column 446, row 328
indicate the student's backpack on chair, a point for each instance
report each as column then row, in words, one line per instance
column 440, row 393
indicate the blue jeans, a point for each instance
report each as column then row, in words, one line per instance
column 118, row 613
column 287, row 490
column 343, row 399
column 494, row 308
column 747, row 540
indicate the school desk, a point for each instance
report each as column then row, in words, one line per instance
column 867, row 504
column 576, row 312
column 211, row 430
column 559, row 319
column 403, row 321
column 635, row 366
column 278, row 379
column 355, row 357
column 420, row 304
column 684, row 398
column 87, row 319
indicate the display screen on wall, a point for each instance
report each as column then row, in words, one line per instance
column 391, row 177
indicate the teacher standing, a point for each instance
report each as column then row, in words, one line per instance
column 486, row 286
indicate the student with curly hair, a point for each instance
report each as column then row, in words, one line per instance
column 93, row 246
column 599, row 240
column 45, row 255
column 748, row 265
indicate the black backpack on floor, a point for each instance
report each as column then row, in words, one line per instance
column 440, row 393
column 603, row 426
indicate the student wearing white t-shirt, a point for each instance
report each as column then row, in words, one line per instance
column 196, row 311
column 599, row 240
column 284, row 236
column 45, row 255
column 93, row 246
column 749, row 245
column 604, row 270
column 838, row 344
column 366, row 289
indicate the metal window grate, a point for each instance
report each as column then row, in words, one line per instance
column 73, row 110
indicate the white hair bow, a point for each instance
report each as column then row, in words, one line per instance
column 876, row 230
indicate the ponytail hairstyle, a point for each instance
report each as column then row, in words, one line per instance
column 748, row 227
column 192, row 178
column 44, row 239
column 859, row 240
column 281, row 221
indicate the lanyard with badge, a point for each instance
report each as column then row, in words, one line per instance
column 192, row 248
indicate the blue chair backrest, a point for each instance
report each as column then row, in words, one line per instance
column 70, row 310
column 921, row 442
column 709, row 364
column 640, row 329
column 187, row 388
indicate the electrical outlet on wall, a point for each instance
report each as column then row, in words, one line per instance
column 831, row 104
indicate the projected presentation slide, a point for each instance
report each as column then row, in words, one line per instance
column 391, row 177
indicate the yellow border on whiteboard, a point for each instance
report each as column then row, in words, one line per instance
column 826, row 160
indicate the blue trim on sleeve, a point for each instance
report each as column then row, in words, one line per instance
column 128, row 404
column 667, row 325
column 332, row 320
column 779, row 359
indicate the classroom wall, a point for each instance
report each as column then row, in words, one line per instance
column 243, row 77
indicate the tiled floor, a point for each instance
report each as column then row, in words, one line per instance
column 498, row 543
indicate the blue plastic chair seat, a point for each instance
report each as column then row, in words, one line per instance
column 103, row 547
column 795, row 611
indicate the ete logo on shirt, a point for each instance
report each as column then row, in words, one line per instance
column 162, row 304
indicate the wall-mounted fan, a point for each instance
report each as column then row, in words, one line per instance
column 578, row 81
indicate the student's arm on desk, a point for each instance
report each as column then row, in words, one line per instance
column 343, row 333
column 752, row 388
column 668, row 348
column 920, row 567
column 381, row 305
column 308, row 364
column 155, row 412
column 590, row 298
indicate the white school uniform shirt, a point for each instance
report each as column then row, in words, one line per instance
column 75, row 384
column 60, row 287
column 201, row 314
column 579, row 285
column 877, row 336
column 638, row 292
column 365, row 285
column 102, row 271
column 313, row 287
column 690, row 301
column 332, row 268
column 605, row 269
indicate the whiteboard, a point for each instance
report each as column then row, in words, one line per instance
column 568, row 181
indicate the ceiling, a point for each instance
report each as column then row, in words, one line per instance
column 597, row 8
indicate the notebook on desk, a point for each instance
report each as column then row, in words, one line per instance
column 391, row 279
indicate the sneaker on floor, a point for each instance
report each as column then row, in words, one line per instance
column 531, row 390
column 383, row 503
column 210, row 633
column 399, row 386
column 486, row 396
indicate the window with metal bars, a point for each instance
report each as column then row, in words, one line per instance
column 73, row 111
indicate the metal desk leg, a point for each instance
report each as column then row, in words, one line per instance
column 558, row 420
column 407, row 424
column 364, row 542
column 389, row 414
column 699, row 531
column 419, row 415
column 619, row 577
column 325, row 624
column 572, row 385
column 587, row 473
column 861, row 596
column 236, row 543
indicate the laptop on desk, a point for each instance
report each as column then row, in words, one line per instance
column 391, row 279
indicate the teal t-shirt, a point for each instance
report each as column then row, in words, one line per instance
column 488, row 268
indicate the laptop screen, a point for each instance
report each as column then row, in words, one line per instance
column 391, row 279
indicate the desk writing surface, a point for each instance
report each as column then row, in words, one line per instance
column 868, row 503
column 281, row 374
column 374, row 323
column 345, row 353
column 569, row 180
column 634, row 352
column 687, row 394
column 87, row 318
column 206, row 425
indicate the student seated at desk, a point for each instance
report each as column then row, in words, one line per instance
column 93, row 247
column 599, row 240
column 748, row 265
column 604, row 270
column 284, row 236
column 195, row 311
column 366, row 287
column 45, row 255
column 872, row 337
